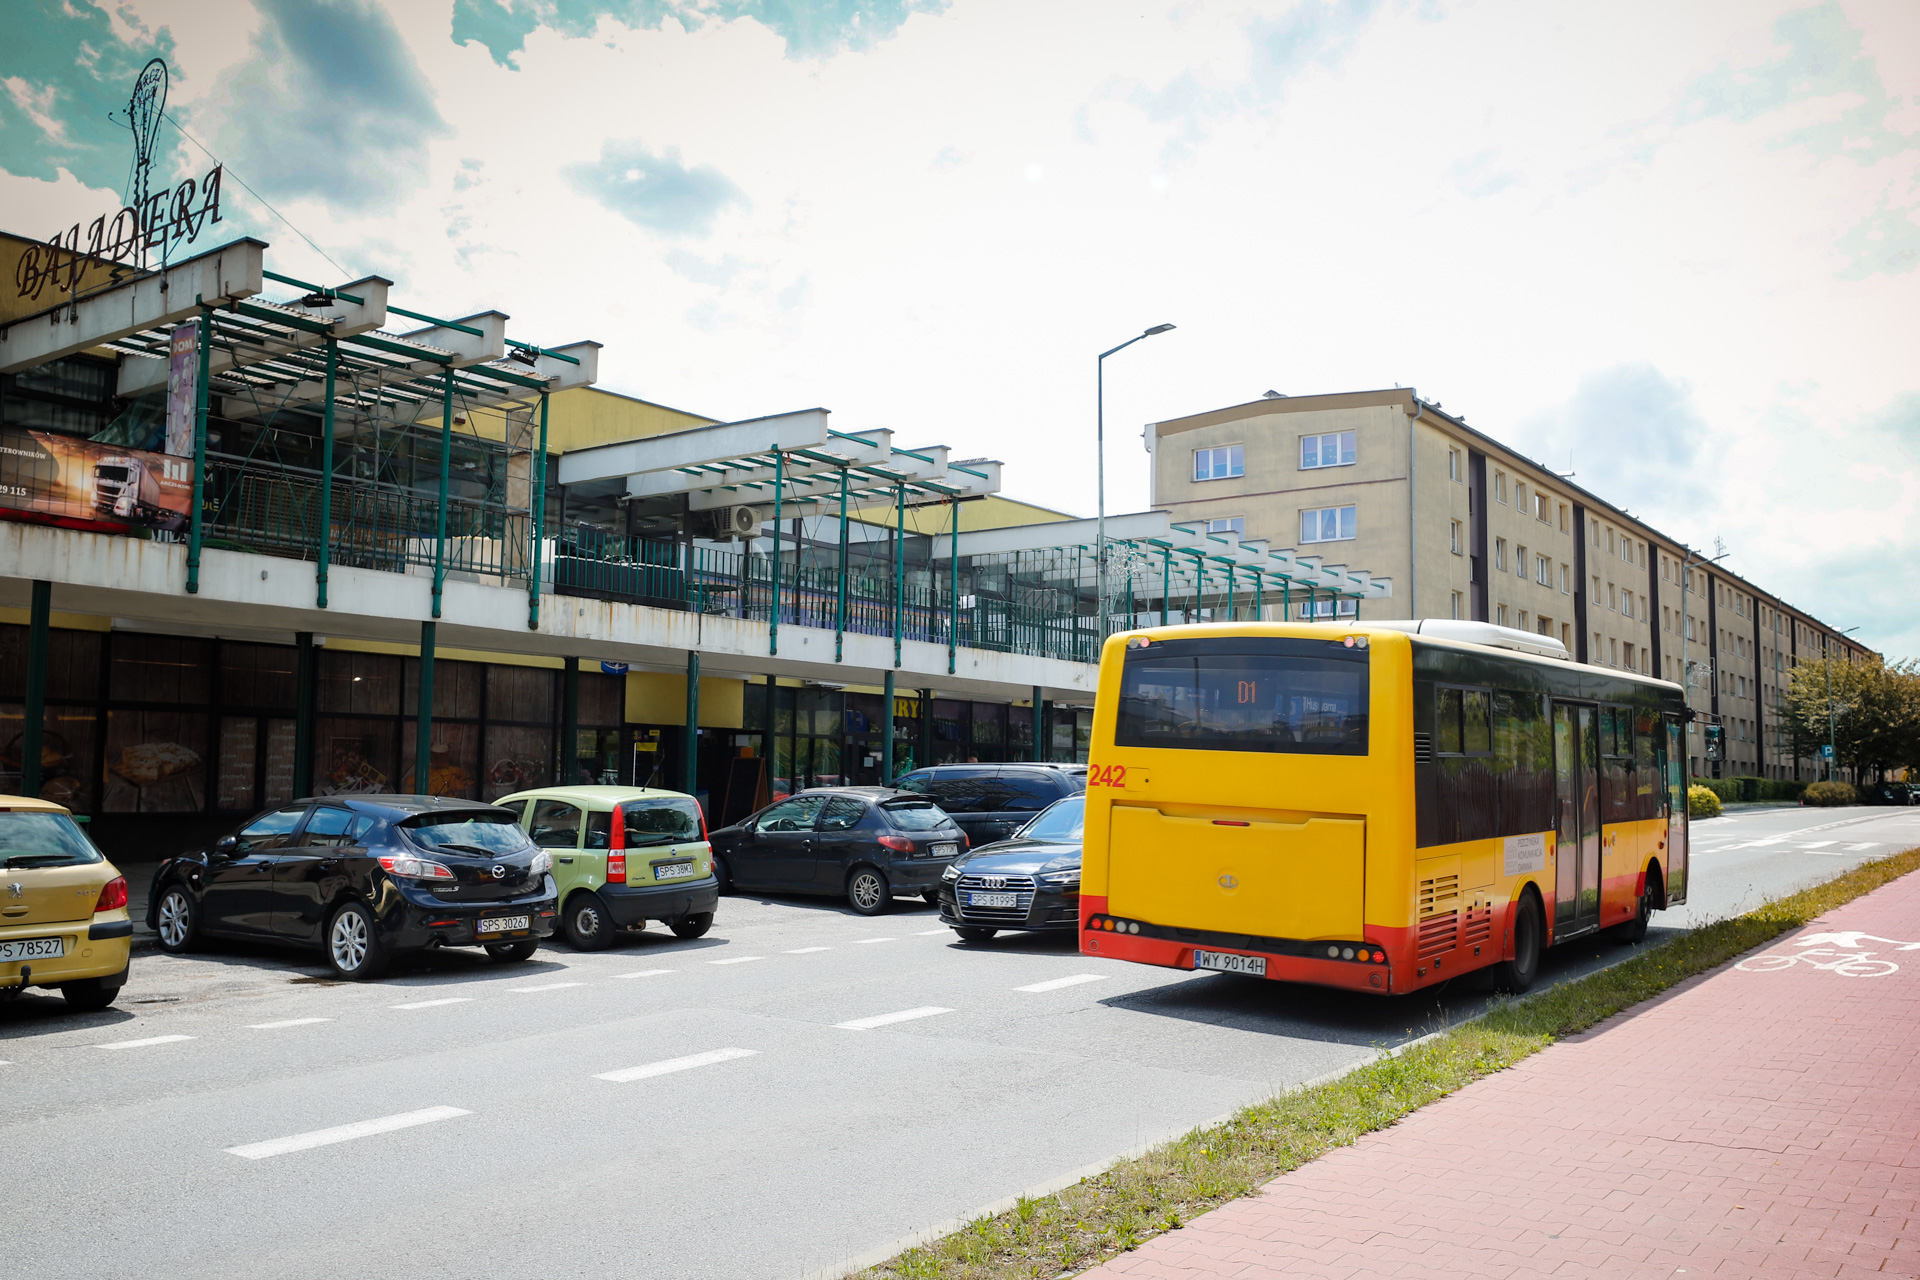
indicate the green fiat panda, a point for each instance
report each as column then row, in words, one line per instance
column 622, row 856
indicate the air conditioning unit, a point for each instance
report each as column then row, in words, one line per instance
column 733, row 522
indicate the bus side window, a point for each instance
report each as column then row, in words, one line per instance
column 1446, row 721
column 1649, row 787
column 1476, row 722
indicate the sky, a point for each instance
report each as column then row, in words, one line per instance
column 1674, row 248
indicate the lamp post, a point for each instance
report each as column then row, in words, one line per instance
column 1833, row 755
column 1686, row 617
column 1100, row 466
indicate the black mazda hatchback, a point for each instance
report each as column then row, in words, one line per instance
column 363, row 877
column 1031, row 882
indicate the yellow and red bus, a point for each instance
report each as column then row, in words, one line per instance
column 1380, row 806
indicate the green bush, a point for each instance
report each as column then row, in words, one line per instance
column 1702, row 802
column 1732, row 790
column 1832, row 794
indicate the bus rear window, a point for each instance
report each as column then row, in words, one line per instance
column 1245, row 695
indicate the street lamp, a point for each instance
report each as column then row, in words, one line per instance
column 1686, row 618
column 1833, row 756
column 1100, row 455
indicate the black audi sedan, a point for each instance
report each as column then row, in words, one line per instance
column 869, row 843
column 1031, row 882
column 362, row 878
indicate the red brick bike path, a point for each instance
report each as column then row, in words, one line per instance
column 1760, row 1120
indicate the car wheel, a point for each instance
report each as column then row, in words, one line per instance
column 1529, row 928
column 722, row 874
column 90, row 994
column 868, row 891
column 178, row 920
column 586, row 922
column 354, row 949
column 973, row 933
column 513, row 952
column 693, row 926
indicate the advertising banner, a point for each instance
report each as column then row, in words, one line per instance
column 72, row 479
column 183, row 378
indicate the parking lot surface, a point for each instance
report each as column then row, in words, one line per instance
column 800, row 1088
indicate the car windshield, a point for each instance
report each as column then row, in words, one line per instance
column 43, row 840
column 1061, row 820
column 485, row 834
column 666, row 820
column 915, row 815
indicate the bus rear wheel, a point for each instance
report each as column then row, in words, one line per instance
column 1529, row 928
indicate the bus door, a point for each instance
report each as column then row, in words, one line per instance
column 1676, row 859
column 1576, row 760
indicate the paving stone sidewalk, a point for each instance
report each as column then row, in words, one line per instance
column 1761, row 1120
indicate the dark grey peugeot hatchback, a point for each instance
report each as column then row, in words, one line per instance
column 363, row 877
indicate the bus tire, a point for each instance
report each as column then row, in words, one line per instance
column 1529, row 931
column 1635, row 930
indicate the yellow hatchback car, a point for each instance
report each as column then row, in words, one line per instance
column 63, row 907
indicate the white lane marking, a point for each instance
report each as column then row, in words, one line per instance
column 1819, row 844
column 671, row 1065
column 343, row 1133
column 1868, row 844
column 290, row 1022
column 432, row 1004
column 1054, row 984
column 928, row 933
column 549, row 986
column 645, row 973
column 141, row 1044
column 887, row 1019
column 737, row 960
column 805, row 951
column 860, row 942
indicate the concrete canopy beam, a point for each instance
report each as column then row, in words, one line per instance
column 485, row 347
column 729, row 483
column 1133, row 526
column 164, row 297
column 700, row 446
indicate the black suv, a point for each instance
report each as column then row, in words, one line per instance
column 362, row 877
column 992, row 801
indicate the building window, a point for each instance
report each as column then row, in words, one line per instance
column 1236, row 525
column 1500, row 554
column 1520, row 495
column 1543, row 508
column 1566, row 579
column 1500, row 615
column 1628, row 649
column 1566, row 636
column 1220, row 463
column 1453, row 464
column 1543, row 571
column 1335, row 449
column 1523, row 619
column 1330, row 524
column 1520, row 560
column 1453, row 537
column 1500, row 486
column 1456, row 604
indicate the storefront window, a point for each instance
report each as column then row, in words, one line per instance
column 156, row 762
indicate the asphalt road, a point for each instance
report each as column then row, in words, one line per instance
column 800, row 1088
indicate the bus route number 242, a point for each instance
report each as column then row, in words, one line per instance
column 1107, row 775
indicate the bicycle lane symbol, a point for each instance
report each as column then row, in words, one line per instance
column 1846, row 956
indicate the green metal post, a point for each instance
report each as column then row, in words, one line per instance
column 899, row 571
column 201, row 399
column 926, row 727
column 840, row 619
column 953, row 591
column 766, row 730
column 539, row 504
column 303, row 681
column 423, row 716
column 691, row 757
column 569, row 724
column 39, row 622
column 1166, row 581
column 1259, row 596
column 1232, row 586
column 1286, row 601
column 325, row 550
column 440, row 518
column 773, row 615
column 886, row 735
column 1039, row 726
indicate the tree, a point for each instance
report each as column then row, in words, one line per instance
column 1875, row 713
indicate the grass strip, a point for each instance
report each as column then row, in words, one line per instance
column 1101, row 1217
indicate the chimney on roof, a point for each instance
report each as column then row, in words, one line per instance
column 1272, row 395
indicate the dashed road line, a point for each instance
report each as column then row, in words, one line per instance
column 805, row 951
column 547, row 986
column 928, row 933
column 432, row 1004
column 888, row 1019
column 290, row 1022
column 141, row 1044
column 1055, row 984
column 645, row 973
column 860, row 942
column 671, row 1065
column 344, row 1133
column 736, row 960
column 1819, row 844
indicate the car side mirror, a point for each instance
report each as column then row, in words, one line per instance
column 227, row 847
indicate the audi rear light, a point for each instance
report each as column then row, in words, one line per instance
column 113, row 895
column 899, row 844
